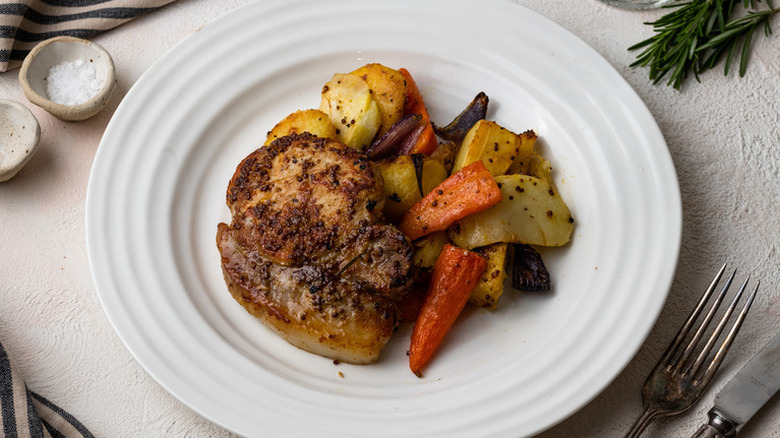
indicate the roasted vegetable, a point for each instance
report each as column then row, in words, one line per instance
column 425, row 139
column 490, row 287
column 410, row 144
column 430, row 172
column 312, row 121
column 445, row 152
column 419, row 160
column 389, row 144
column 349, row 102
column 531, row 211
column 388, row 86
column 495, row 145
column 433, row 173
column 528, row 270
column 527, row 148
column 455, row 274
column 470, row 190
column 428, row 248
column 540, row 168
column 474, row 112
column 401, row 189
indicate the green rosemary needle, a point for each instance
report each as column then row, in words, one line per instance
column 696, row 35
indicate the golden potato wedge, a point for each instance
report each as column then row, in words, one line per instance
column 446, row 152
column 527, row 148
column 433, row 173
column 539, row 167
column 312, row 121
column 495, row 145
column 531, row 211
column 428, row 248
column 490, row 287
column 401, row 188
column 348, row 101
column 389, row 90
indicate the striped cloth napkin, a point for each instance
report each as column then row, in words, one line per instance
column 25, row 414
column 25, row 23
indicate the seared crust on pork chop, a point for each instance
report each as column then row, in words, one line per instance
column 306, row 251
column 303, row 196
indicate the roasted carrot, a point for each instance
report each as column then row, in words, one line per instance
column 426, row 142
column 454, row 276
column 467, row 191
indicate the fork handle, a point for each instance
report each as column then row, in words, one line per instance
column 718, row 427
column 641, row 423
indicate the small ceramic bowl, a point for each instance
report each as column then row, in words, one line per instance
column 19, row 135
column 62, row 69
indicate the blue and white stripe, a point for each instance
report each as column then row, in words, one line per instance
column 27, row 414
column 25, row 23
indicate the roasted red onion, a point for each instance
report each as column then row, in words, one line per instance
column 529, row 272
column 408, row 143
column 390, row 142
column 419, row 161
column 457, row 129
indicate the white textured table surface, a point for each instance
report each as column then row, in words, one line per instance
column 723, row 134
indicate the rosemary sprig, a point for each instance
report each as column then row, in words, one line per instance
column 696, row 35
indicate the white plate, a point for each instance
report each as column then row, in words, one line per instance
column 157, row 191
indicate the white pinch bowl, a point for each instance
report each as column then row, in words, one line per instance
column 19, row 136
column 33, row 75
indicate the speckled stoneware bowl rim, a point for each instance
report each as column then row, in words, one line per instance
column 30, row 141
column 69, row 112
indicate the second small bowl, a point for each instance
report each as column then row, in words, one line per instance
column 71, row 78
column 19, row 136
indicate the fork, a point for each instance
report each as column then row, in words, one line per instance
column 679, row 379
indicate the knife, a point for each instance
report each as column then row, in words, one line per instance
column 745, row 394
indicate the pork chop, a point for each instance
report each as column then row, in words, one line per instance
column 307, row 251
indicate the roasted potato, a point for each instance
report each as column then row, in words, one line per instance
column 495, row 145
column 401, row 188
column 446, row 152
column 312, row 121
column 539, row 167
column 433, row 173
column 527, row 148
column 531, row 211
column 389, row 90
column 428, row 248
column 491, row 285
column 349, row 102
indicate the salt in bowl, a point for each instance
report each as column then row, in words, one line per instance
column 71, row 78
column 19, row 136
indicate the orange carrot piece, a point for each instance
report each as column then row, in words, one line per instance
column 414, row 104
column 454, row 277
column 467, row 191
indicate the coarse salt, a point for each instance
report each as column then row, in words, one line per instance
column 73, row 82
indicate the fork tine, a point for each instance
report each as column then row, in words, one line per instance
column 724, row 347
column 693, row 369
column 705, row 322
column 671, row 388
column 677, row 342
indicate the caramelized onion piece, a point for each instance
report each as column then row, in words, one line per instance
column 419, row 160
column 408, row 143
column 473, row 113
column 390, row 142
column 529, row 272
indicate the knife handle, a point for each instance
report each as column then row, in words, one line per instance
column 718, row 427
column 708, row 431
